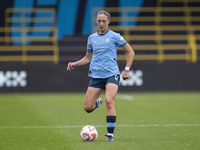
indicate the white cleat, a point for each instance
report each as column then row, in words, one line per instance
column 109, row 138
column 99, row 101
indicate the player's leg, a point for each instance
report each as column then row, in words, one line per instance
column 91, row 97
column 111, row 92
column 112, row 86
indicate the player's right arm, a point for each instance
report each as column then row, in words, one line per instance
column 85, row 60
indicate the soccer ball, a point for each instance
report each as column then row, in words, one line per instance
column 89, row 133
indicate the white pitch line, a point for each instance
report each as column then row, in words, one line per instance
column 59, row 127
column 160, row 125
column 124, row 97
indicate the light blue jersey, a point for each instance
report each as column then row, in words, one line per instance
column 104, row 48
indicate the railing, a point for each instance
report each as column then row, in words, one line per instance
column 22, row 41
column 161, row 33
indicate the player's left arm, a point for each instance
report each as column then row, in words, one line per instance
column 129, row 60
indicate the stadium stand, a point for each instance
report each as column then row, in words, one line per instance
column 169, row 31
column 21, row 42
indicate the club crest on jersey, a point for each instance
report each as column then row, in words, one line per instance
column 107, row 40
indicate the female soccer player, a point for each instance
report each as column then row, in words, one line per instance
column 104, row 72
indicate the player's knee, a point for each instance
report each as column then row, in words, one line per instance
column 88, row 108
column 109, row 102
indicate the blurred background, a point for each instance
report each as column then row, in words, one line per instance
column 39, row 37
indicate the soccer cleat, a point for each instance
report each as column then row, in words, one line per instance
column 109, row 138
column 99, row 102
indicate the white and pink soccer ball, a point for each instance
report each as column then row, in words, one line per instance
column 89, row 133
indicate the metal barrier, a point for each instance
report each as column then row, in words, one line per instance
column 161, row 33
column 29, row 48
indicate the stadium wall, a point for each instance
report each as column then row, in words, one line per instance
column 55, row 78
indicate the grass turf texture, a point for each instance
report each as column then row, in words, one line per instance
column 53, row 122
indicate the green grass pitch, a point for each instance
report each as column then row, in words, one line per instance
column 145, row 121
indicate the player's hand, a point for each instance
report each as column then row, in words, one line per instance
column 71, row 65
column 125, row 75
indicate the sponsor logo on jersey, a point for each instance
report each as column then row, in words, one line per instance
column 100, row 47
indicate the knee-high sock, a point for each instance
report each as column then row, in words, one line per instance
column 110, row 124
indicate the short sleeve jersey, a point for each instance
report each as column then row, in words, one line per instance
column 104, row 48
